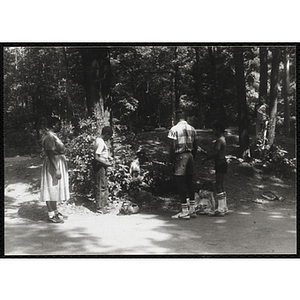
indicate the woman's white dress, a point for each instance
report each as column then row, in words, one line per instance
column 53, row 189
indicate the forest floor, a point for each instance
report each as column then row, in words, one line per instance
column 253, row 225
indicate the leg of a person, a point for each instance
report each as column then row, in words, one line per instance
column 102, row 188
column 97, row 189
column 190, row 186
column 180, row 173
column 219, row 182
column 190, row 176
column 221, row 195
column 49, row 206
column 54, row 205
column 181, row 185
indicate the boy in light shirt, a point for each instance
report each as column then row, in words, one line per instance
column 103, row 160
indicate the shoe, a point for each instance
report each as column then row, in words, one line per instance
column 181, row 215
column 102, row 211
column 193, row 214
column 61, row 216
column 216, row 213
column 55, row 219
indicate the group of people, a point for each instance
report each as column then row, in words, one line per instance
column 54, row 177
column 183, row 150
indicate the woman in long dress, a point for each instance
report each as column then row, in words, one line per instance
column 54, row 179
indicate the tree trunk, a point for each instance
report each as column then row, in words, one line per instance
column 286, row 84
column 217, row 98
column 69, row 106
column 263, row 81
column 97, row 81
column 263, row 87
column 273, row 95
column 241, row 101
column 176, row 79
column 172, row 107
column 199, row 88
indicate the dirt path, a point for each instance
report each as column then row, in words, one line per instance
column 245, row 232
column 249, row 228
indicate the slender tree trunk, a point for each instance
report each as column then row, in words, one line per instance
column 199, row 88
column 286, row 84
column 263, row 87
column 263, row 81
column 219, row 109
column 241, row 101
column 173, row 108
column 69, row 106
column 273, row 94
column 176, row 79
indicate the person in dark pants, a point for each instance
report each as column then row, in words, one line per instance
column 221, row 168
column 183, row 150
column 101, row 162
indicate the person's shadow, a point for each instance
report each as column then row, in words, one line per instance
column 33, row 211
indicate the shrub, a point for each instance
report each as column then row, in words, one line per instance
column 79, row 152
column 80, row 155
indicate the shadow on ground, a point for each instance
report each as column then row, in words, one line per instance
column 249, row 231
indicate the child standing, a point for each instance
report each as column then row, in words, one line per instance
column 103, row 160
column 220, row 167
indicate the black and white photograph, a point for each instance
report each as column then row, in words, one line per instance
column 150, row 149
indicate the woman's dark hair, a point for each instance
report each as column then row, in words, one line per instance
column 52, row 121
column 220, row 126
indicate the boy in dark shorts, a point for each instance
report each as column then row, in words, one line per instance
column 183, row 150
column 220, row 167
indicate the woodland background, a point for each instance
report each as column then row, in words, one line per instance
column 136, row 89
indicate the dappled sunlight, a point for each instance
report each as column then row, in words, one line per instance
column 280, row 215
column 19, row 188
column 281, row 185
column 143, row 234
column 35, row 167
column 220, row 221
column 291, row 231
column 19, row 193
column 261, row 186
column 277, row 217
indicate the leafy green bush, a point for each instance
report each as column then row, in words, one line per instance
column 20, row 136
column 79, row 153
column 275, row 162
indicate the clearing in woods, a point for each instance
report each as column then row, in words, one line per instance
column 254, row 224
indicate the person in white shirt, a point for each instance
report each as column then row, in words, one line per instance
column 101, row 162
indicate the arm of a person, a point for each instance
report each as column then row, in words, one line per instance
column 49, row 150
column 103, row 162
column 195, row 147
column 172, row 151
column 51, row 156
column 97, row 155
column 172, row 144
